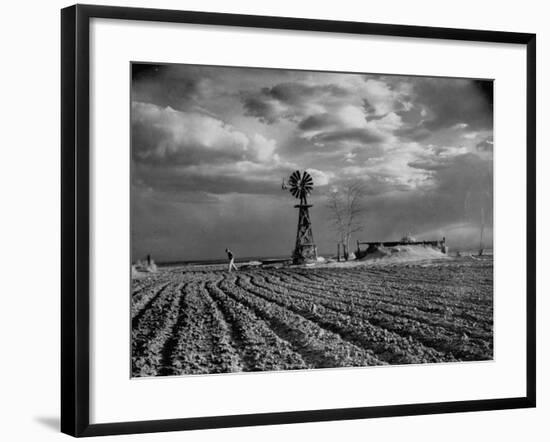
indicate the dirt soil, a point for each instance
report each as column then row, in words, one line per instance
column 197, row 320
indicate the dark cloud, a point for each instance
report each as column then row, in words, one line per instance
column 369, row 108
column 167, row 86
column 464, row 175
column 142, row 71
column 444, row 104
column 356, row 135
column 174, row 231
column 295, row 93
column 287, row 100
column 414, row 133
column 450, row 102
column 486, row 89
column 318, row 121
column 429, row 165
column 265, row 111
column 485, row 145
column 375, row 183
column 456, row 195
column 175, row 180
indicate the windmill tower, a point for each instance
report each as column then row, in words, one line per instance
column 300, row 185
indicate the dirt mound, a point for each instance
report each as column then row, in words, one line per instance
column 404, row 253
column 142, row 268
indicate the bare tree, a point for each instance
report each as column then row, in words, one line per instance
column 346, row 208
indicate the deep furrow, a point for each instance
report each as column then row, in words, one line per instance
column 465, row 346
column 141, row 305
column 389, row 306
column 364, row 277
column 151, row 330
column 202, row 343
column 442, row 302
column 425, row 278
column 166, row 362
column 260, row 348
column 229, row 339
column 386, row 344
column 353, row 299
column 319, row 347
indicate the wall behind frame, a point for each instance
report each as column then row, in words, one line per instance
column 29, row 248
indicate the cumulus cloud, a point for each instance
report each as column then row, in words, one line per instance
column 164, row 135
column 380, row 97
column 321, row 178
column 186, row 151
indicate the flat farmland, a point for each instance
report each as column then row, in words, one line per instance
column 199, row 320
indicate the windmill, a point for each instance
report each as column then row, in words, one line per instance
column 300, row 186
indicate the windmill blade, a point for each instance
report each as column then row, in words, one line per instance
column 306, row 180
column 294, row 179
column 308, row 186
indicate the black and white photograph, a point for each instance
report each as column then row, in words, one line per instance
column 289, row 220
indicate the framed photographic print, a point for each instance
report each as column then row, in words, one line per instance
column 275, row 220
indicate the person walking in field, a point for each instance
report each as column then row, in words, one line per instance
column 231, row 258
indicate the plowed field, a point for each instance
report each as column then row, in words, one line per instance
column 192, row 320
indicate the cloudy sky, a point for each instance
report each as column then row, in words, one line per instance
column 210, row 146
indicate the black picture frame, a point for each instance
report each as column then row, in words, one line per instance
column 75, row 225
